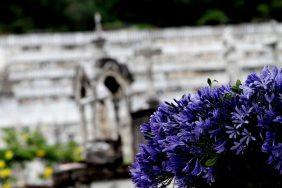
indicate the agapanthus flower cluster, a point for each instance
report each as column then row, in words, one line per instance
column 187, row 138
column 262, row 99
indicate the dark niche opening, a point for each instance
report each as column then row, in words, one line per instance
column 83, row 91
column 112, row 84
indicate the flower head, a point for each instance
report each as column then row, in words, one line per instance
column 5, row 173
column 181, row 138
column 47, row 173
column 9, row 154
column 40, row 153
column 2, row 164
column 187, row 138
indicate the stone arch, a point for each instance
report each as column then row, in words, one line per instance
column 115, row 76
column 117, row 79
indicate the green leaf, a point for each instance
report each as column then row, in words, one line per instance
column 238, row 83
column 236, row 88
column 211, row 161
column 227, row 96
column 209, row 82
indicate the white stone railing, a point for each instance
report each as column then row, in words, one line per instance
column 82, row 38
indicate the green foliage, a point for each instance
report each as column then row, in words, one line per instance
column 143, row 26
column 113, row 25
column 236, row 88
column 69, row 15
column 211, row 161
column 209, row 82
column 213, row 17
column 27, row 145
column 263, row 10
column 276, row 4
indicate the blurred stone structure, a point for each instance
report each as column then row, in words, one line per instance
column 87, row 85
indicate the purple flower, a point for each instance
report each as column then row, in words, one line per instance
column 238, row 147
column 197, row 169
column 232, row 131
column 183, row 137
column 209, row 175
column 247, row 137
column 220, row 147
column 278, row 119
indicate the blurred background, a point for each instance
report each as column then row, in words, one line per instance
column 78, row 77
column 77, row 15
